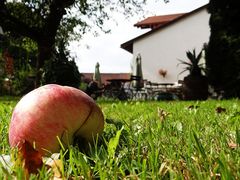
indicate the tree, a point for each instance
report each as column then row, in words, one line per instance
column 46, row 21
column 223, row 51
column 60, row 70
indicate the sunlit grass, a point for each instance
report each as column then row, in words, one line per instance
column 154, row 140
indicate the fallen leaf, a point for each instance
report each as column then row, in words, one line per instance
column 215, row 175
column 220, row 110
column 55, row 165
column 192, row 107
column 163, row 169
column 31, row 158
column 162, row 114
column 6, row 163
column 134, row 177
column 232, row 145
column 57, row 168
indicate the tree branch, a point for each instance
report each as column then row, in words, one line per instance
column 13, row 24
column 52, row 22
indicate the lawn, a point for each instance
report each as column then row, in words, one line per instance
column 152, row 140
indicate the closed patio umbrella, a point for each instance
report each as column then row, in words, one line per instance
column 137, row 75
column 1, row 31
column 97, row 75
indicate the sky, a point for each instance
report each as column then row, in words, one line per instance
column 105, row 48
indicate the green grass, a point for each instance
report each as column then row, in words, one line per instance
column 153, row 140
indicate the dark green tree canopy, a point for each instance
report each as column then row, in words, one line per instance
column 40, row 18
column 61, row 70
column 46, row 21
column 223, row 51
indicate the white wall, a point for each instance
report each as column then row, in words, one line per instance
column 162, row 48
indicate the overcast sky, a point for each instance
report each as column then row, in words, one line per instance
column 105, row 48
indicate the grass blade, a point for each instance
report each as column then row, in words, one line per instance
column 113, row 143
column 199, row 145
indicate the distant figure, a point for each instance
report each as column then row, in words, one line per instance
column 93, row 90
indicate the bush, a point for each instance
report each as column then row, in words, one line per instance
column 60, row 70
column 23, row 81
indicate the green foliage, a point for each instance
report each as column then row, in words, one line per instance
column 222, row 55
column 23, row 81
column 67, row 20
column 60, row 70
column 193, row 65
column 23, row 51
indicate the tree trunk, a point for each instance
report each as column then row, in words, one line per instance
column 45, row 52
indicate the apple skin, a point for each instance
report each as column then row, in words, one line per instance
column 53, row 111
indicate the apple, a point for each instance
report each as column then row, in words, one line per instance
column 51, row 113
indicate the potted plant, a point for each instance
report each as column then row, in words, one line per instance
column 195, row 85
column 162, row 72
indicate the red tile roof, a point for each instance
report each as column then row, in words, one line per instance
column 128, row 46
column 157, row 21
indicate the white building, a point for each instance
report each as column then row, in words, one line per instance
column 167, row 42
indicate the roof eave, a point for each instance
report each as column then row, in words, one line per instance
column 128, row 46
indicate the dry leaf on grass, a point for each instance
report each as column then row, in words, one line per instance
column 220, row 110
column 232, row 145
column 56, row 166
column 6, row 163
column 162, row 114
column 191, row 107
column 31, row 159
